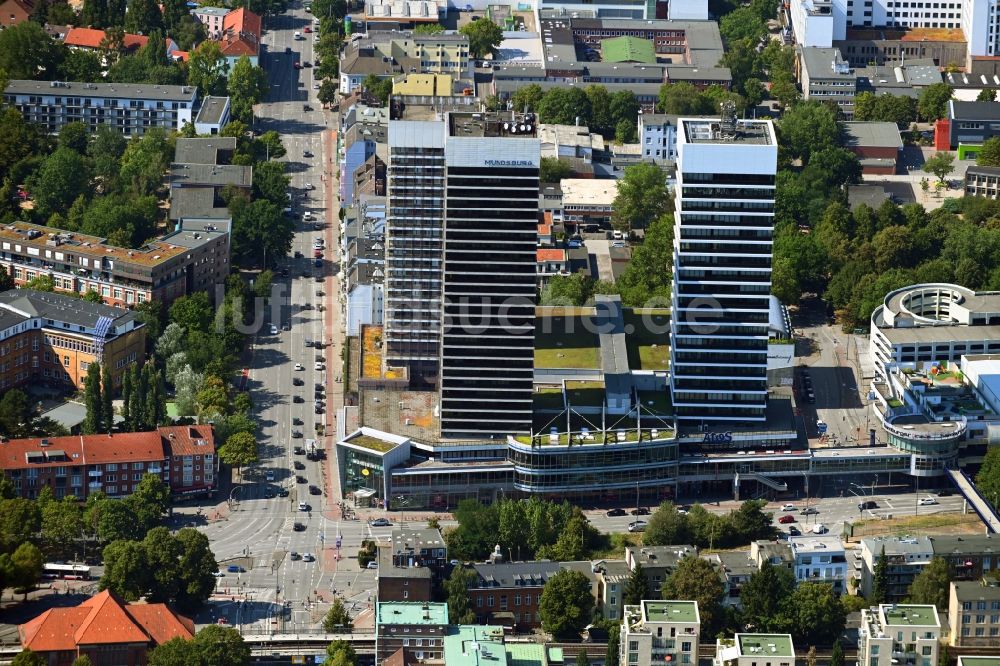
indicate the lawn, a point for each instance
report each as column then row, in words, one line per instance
column 563, row 342
column 648, row 339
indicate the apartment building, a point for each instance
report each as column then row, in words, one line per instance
column 193, row 258
column 723, row 228
column 240, row 36
column 825, row 75
column 410, row 564
column 130, row 108
column 907, row 557
column 51, row 339
column 211, row 18
column 416, row 628
column 755, row 650
column 201, row 172
column 461, row 236
column 969, row 557
column 385, row 53
column 982, row 181
column 655, row 632
column 658, row 136
column 657, row 562
column 974, row 613
column 820, row 559
column 588, row 203
column 510, row 592
column 775, row 553
column 183, row 456
column 899, row 634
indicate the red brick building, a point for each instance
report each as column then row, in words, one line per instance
column 877, row 145
column 13, row 12
column 183, row 456
column 106, row 629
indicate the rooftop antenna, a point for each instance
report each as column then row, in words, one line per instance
column 727, row 120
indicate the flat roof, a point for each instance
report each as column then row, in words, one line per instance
column 967, row 590
column 216, row 175
column 474, row 645
column 825, row 63
column 670, row 611
column 203, row 149
column 979, row 661
column 911, row 615
column 106, row 90
column 628, row 49
column 751, row 132
column 212, row 110
column 411, row 613
column 584, row 191
column 871, row 134
column 491, row 124
column 778, row 645
column 815, row 544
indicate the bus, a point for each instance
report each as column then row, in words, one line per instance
column 66, row 571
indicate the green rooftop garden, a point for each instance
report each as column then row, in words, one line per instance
column 563, row 342
column 648, row 343
column 372, row 443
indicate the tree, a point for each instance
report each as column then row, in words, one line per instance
column 940, row 164
column 457, row 588
column 15, row 413
column 80, row 65
column 149, row 501
column 20, row 519
column 191, row 313
column 681, row 98
column 566, row 290
column 880, row 581
column 62, row 177
column 329, row 92
column 642, row 197
column 93, row 421
column 931, row 585
column 337, row 617
column 221, row 646
column 933, row 102
column 144, row 162
column 74, row 136
column 107, row 397
column 564, row 106
column 271, row 183
column 239, row 450
column 484, row 36
column 161, row 553
column 837, row 655
column 173, row 12
column 207, row 68
column 762, row 597
column 807, row 128
column 582, row 659
column 27, row 563
column 695, row 579
column 553, row 170
column 989, row 153
column 637, row 587
column 379, row 87
column 754, row 91
column 143, row 16
column 340, row 653
column 526, row 99
column 28, row 52
column 125, row 570
column 742, row 24
column 176, row 652
column 611, row 657
column 815, row 613
column 197, row 568
column 62, row 526
column 566, row 604
column 987, row 479
column 28, row 658
column 247, row 85
column 477, row 530
column 260, row 229
column 987, row 95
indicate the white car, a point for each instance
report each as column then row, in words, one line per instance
column 315, row 85
column 298, row 366
column 819, row 528
column 218, row 574
column 274, row 329
column 788, row 507
column 927, row 501
column 308, row 186
column 373, row 564
column 307, row 216
column 308, row 557
column 269, row 476
column 303, row 506
column 320, row 366
column 637, row 526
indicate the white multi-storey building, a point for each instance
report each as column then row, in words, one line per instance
column 724, row 222
column 820, row 559
column 658, row 632
column 899, row 634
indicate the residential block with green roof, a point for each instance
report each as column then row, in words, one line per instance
column 657, row 630
column 755, row 650
column 628, row 49
column 418, row 628
column 899, row 634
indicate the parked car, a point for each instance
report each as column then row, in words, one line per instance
column 641, row 511
column 297, row 465
column 927, row 501
column 372, row 565
column 380, row 522
column 314, row 490
column 297, row 398
column 819, row 528
column 297, row 381
column 293, row 556
column 809, row 511
column 788, row 507
column 269, row 476
column 296, row 434
column 794, row 531
column 867, row 504
column 786, row 519
column 301, row 479
column 616, row 512
column 308, row 557
column 282, row 492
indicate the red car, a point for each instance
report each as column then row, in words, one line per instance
column 297, row 65
column 784, row 520
column 307, row 29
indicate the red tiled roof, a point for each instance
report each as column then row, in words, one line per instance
column 183, row 56
column 544, row 229
column 241, row 30
column 184, row 438
column 550, row 254
column 91, row 38
column 242, row 20
column 102, row 620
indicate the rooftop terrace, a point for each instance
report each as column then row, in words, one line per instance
column 910, row 615
column 492, row 124
column 747, row 132
column 670, row 611
column 778, row 645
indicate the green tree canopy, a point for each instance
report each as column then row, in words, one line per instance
column 642, row 197
column 989, row 153
column 239, row 450
column 931, row 585
column 207, row 68
column 939, row 164
column 484, row 36
column 637, row 586
column 933, row 101
column 808, row 128
column 815, row 613
column 763, row 595
column 63, row 176
column 695, row 579
column 566, row 604
column 457, row 586
column 554, row 170
column 246, row 86
column 28, row 52
column 337, row 618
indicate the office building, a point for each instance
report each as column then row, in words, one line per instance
column 183, row 456
column 878, row 145
column 925, row 323
column 755, row 650
column 814, row 23
column 104, row 628
column 656, row 632
column 825, row 75
column 51, row 339
column 974, row 613
column 820, row 559
column 724, row 218
column 212, row 116
column 907, row 557
column 193, row 258
column 130, row 108
column 899, row 634
column 460, row 265
column 410, row 564
column 418, row 628
column 982, row 181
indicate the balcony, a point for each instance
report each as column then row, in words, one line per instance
column 95, row 473
column 94, row 485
